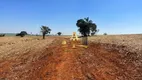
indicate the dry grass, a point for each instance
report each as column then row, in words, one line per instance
column 133, row 43
column 11, row 47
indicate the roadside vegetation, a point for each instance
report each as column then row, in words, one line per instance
column 45, row 30
column 22, row 33
column 105, row 34
column 86, row 27
column 2, row 35
column 59, row 33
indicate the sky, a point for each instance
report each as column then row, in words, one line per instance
column 110, row 16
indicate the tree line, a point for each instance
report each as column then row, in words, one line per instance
column 86, row 27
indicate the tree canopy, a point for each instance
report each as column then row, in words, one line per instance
column 86, row 26
column 59, row 33
column 45, row 30
column 22, row 33
column 105, row 34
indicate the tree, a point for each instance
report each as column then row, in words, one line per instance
column 22, row 33
column 2, row 35
column 59, row 33
column 95, row 32
column 45, row 30
column 105, row 33
column 85, row 27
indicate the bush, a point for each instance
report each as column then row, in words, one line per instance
column 19, row 34
column 105, row 33
column 22, row 33
column 2, row 35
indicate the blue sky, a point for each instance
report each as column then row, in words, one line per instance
column 111, row 16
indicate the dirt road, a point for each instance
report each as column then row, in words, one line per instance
column 57, row 62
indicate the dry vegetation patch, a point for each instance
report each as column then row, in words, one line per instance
column 132, row 43
column 16, row 46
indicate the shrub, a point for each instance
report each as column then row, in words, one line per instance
column 105, row 33
column 22, row 33
column 2, row 35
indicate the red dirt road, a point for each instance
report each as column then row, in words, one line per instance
column 57, row 62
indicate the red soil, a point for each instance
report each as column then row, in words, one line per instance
column 58, row 62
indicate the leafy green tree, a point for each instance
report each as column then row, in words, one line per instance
column 105, row 33
column 59, row 33
column 45, row 30
column 85, row 27
column 95, row 32
column 22, row 33
column 2, row 35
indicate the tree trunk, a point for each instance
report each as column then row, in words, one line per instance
column 85, row 40
column 43, row 36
